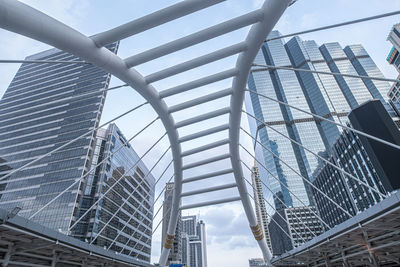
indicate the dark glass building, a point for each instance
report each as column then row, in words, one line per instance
column 46, row 106
column 331, row 97
column 122, row 220
column 394, row 59
column 371, row 162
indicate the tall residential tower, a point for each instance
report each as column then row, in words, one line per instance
column 394, row 59
column 195, row 232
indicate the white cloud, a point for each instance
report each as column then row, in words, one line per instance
column 309, row 20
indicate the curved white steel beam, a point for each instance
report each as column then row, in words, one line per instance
column 152, row 20
column 22, row 19
column 272, row 10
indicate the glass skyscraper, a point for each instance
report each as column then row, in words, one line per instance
column 394, row 59
column 329, row 96
column 46, row 106
column 122, row 220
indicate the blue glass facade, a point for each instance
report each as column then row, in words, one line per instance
column 329, row 96
column 40, row 111
column 394, row 59
column 122, row 220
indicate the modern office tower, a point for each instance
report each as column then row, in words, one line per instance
column 394, row 38
column 329, row 96
column 261, row 210
column 371, row 162
column 257, row 263
column 122, row 220
column 303, row 225
column 46, row 106
column 372, row 119
column 394, row 59
column 195, row 231
column 279, row 233
column 175, row 255
column 291, row 227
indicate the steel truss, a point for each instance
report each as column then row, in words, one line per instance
column 22, row 19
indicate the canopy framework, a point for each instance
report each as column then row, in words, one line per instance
column 16, row 16
column 22, row 19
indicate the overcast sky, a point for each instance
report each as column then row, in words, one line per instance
column 229, row 239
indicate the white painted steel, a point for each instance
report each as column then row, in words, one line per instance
column 195, row 38
column 152, row 20
column 206, row 161
column 209, row 203
column 200, row 82
column 200, row 100
column 205, row 147
column 197, row 62
column 209, row 189
column 207, row 175
column 204, row 133
column 272, row 11
column 203, row 117
column 22, row 19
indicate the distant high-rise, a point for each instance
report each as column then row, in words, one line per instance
column 185, row 249
column 329, row 96
column 46, row 106
column 394, row 59
column 175, row 255
column 261, row 210
column 257, row 263
column 195, row 231
column 131, row 199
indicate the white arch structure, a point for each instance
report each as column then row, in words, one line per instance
column 22, row 19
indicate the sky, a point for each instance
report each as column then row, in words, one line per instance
column 229, row 239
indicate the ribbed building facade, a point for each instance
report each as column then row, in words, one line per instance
column 368, row 161
column 46, row 106
column 303, row 224
column 329, row 96
column 349, row 154
column 122, row 219
column 394, row 59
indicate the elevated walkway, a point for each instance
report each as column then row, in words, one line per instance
column 25, row 243
column 371, row 238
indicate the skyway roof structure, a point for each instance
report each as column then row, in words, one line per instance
column 25, row 20
column 25, row 243
column 350, row 243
